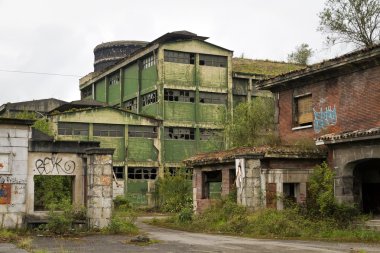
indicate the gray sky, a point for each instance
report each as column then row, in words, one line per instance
column 54, row 36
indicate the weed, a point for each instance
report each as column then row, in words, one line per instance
column 25, row 243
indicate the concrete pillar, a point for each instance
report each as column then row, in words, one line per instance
column 99, row 187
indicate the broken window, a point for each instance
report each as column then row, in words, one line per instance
column 212, row 98
column 142, row 173
column 290, row 193
column 175, row 171
column 142, row 131
column 303, row 110
column 131, row 104
column 87, row 91
column 118, row 172
column 179, row 133
column 109, row 130
column 68, row 128
column 149, row 61
column 179, row 95
column 114, row 79
column 212, row 184
column 52, row 190
column 179, row 57
column 207, row 134
column 149, row 98
column 213, row 60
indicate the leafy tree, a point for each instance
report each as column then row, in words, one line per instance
column 252, row 124
column 41, row 124
column 351, row 21
column 301, row 55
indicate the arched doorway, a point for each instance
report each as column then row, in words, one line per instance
column 367, row 185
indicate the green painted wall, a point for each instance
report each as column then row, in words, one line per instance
column 141, row 150
column 131, row 81
column 100, row 91
column 114, row 94
column 151, row 109
column 148, row 78
column 179, row 111
column 210, row 145
column 213, row 76
column 212, row 113
column 113, row 142
column 179, row 74
column 137, row 190
column 178, row 150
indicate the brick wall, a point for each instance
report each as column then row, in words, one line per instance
column 356, row 97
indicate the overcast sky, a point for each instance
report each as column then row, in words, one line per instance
column 52, row 36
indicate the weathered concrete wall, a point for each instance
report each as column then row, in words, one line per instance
column 250, row 193
column 13, row 174
column 55, row 164
column 99, row 187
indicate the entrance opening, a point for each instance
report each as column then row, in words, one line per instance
column 52, row 190
column 367, row 185
column 212, row 184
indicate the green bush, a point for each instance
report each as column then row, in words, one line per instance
column 122, row 225
column 121, row 203
column 185, row 215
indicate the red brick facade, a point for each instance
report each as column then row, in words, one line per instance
column 355, row 96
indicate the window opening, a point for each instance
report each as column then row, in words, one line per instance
column 179, row 57
column 109, row 130
column 179, row 95
column 213, row 60
column 149, row 61
column 119, row 172
column 87, row 91
column 180, row 133
column 304, row 110
column 212, row 98
column 207, row 134
column 142, row 173
column 149, row 98
column 114, row 79
column 212, row 184
column 66, row 128
column 131, row 104
column 142, row 131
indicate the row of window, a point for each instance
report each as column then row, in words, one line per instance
column 149, row 61
column 189, row 58
column 112, row 130
column 147, row 173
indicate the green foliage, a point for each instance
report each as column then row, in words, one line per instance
column 301, row 55
column 123, row 222
column 351, row 21
column 51, row 190
column 121, row 203
column 252, row 124
column 185, row 215
column 174, row 192
column 41, row 124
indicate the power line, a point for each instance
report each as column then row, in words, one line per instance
column 36, row 73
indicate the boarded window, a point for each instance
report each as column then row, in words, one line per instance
column 304, row 110
column 149, row 61
column 108, row 130
column 68, row 128
column 212, row 98
column 179, row 133
column 179, row 57
column 118, row 172
column 271, row 195
column 114, row 79
column 149, row 98
column 87, row 91
column 179, row 95
column 131, row 104
column 142, row 173
column 213, row 60
column 142, row 131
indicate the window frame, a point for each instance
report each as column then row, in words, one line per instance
column 179, row 57
column 219, row 61
column 173, row 95
column 110, row 132
column 135, row 131
column 149, row 98
column 305, row 113
column 179, row 133
column 212, row 98
column 72, row 128
column 142, row 173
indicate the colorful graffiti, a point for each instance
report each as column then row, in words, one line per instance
column 5, row 194
column 324, row 118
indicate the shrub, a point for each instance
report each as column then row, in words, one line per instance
column 121, row 203
column 185, row 215
column 122, row 225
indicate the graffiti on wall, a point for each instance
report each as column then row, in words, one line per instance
column 54, row 165
column 324, row 117
column 5, row 194
column 11, row 180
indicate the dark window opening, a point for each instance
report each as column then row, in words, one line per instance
column 179, row 133
column 212, row 98
column 118, row 172
column 179, row 57
column 213, row 60
column 149, row 61
column 142, row 173
column 179, row 95
column 87, row 91
column 142, row 131
column 303, row 110
column 66, row 128
column 212, row 184
column 52, row 190
column 108, row 130
column 114, row 79
column 185, row 172
column 290, row 193
column 149, row 98
column 131, row 104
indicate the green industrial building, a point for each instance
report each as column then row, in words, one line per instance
column 166, row 100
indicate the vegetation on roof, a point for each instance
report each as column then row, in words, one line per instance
column 263, row 67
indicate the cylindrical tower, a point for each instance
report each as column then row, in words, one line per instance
column 107, row 54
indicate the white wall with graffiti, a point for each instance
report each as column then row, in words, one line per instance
column 55, row 164
column 13, row 173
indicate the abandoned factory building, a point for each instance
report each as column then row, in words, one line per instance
column 334, row 105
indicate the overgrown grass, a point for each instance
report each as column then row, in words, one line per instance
column 229, row 218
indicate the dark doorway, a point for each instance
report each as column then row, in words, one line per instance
column 367, row 185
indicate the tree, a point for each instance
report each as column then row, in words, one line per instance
column 301, row 55
column 252, row 124
column 351, row 21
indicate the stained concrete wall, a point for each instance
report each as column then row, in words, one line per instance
column 13, row 174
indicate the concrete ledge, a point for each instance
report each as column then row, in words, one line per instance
column 100, row 151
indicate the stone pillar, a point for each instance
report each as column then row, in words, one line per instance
column 99, row 187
